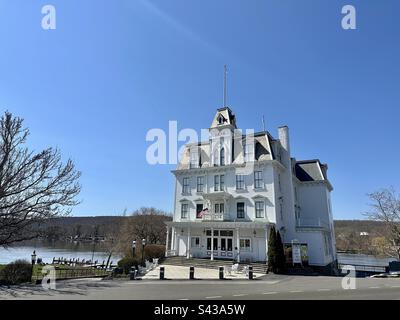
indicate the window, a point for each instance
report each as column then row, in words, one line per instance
column 186, row 186
column 248, row 152
column 258, row 180
column 200, row 183
column 219, row 208
column 184, row 211
column 219, row 181
column 195, row 242
column 194, row 158
column 216, row 154
column 239, row 182
column 259, row 209
column 216, row 183
column 240, row 210
column 226, row 233
column 222, row 157
column 245, row 244
column 222, row 182
column 199, row 208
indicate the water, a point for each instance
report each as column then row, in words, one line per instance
column 363, row 260
column 47, row 251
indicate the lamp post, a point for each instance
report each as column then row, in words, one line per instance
column 143, row 245
column 134, row 248
column 33, row 259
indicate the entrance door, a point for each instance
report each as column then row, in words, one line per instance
column 215, row 246
column 226, row 249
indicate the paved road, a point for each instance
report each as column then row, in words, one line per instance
column 272, row 287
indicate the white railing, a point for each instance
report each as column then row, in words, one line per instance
column 311, row 223
column 213, row 217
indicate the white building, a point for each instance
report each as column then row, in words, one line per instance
column 236, row 186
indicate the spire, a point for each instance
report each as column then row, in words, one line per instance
column 225, row 86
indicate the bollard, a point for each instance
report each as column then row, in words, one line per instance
column 251, row 272
column 132, row 273
column 191, row 273
column 221, row 273
column 162, row 273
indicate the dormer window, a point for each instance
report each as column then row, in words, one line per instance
column 221, row 119
column 194, row 158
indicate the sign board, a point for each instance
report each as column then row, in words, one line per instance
column 289, row 253
column 296, row 252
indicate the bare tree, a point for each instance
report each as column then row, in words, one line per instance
column 144, row 223
column 33, row 186
column 385, row 207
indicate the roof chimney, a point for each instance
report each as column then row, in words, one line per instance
column 283, row 133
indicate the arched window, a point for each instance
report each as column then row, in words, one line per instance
column 222, row 156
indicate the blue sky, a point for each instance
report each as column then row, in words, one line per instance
column 114, row 69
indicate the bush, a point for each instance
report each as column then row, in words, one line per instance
column 280, row 258
column 154, row 251
column 16, row 272
column 127, row 263
column 272, row 250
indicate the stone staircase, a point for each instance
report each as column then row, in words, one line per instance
column 211, row 264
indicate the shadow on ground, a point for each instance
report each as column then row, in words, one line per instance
column 74, row 287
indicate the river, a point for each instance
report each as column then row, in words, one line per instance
column 48, row 250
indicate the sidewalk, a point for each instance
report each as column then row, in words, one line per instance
column 178, row 272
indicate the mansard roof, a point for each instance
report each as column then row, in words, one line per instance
column 264, row 149
column 311, row 170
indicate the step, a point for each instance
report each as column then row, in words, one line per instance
column 210, row 264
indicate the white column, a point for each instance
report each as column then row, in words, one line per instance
column 266, row 244
column 238, row 245
column 173, row 240
column 166, row 242
column 212, row 243
column 188, row 244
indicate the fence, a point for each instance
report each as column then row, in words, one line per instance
column 68, row 272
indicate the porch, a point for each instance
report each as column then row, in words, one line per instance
column 234, row 241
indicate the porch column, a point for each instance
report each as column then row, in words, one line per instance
column 188, row 244
column 173, row 239
column 166, row 242
column 212, row 243
column 266, row 244
column 238, row 245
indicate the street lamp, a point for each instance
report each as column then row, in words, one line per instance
column 134, row 248
column 143, row 244
column 33, row 259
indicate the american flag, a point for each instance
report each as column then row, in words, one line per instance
column 202, row 212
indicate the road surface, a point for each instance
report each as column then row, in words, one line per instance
column 270, row 287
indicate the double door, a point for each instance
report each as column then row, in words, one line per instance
column 222, row 247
